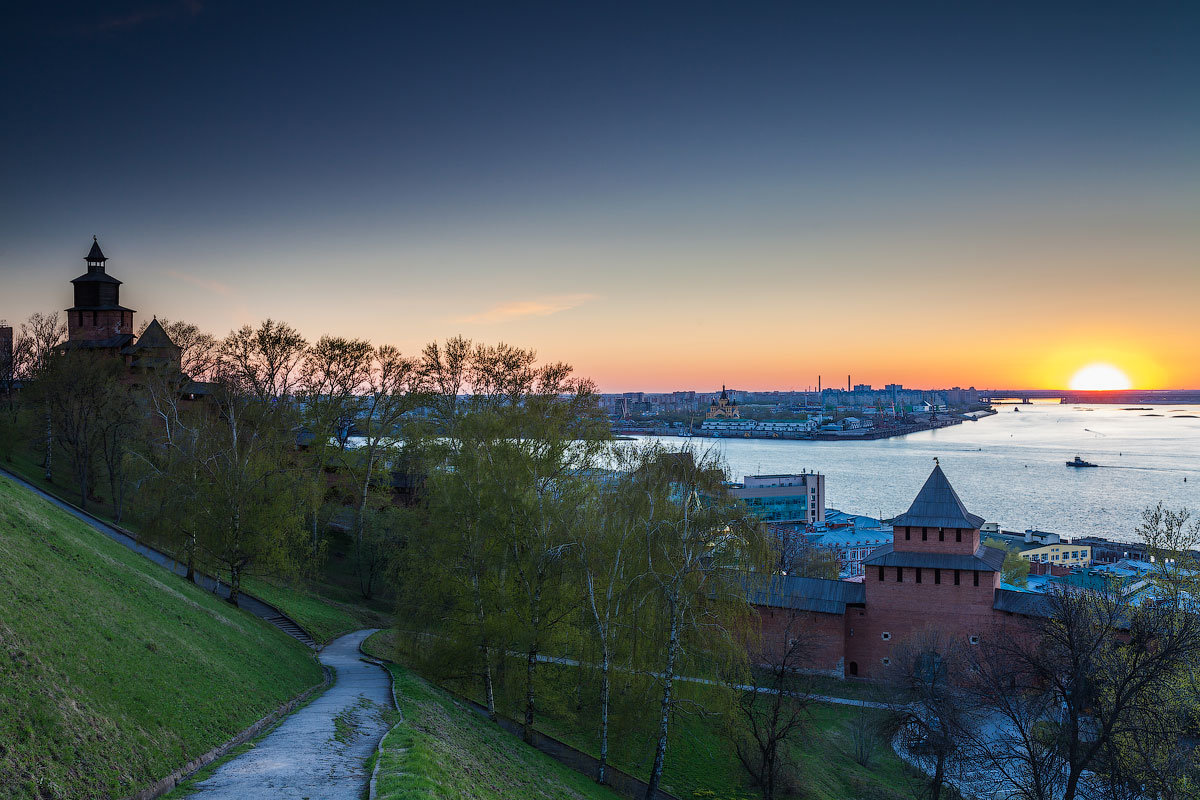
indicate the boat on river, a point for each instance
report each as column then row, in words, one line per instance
column 1079, row 462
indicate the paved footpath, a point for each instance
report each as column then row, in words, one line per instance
column 320, row 751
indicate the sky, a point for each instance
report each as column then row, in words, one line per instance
column 667, row 196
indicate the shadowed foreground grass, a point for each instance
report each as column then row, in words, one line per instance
column 114, row 672
column 701, row 763
column 443, row 750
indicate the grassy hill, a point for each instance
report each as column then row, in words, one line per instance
column 701, row 761
column 442, row 751
column 113, row 672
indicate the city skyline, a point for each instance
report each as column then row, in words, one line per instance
column 667, row 198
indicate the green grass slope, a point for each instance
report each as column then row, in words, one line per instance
column 442, row 750
column 114, row 672
column 701, row 763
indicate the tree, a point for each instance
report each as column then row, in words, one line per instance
column 117, row 421
column 1015, row 569
column 1073, row 684
column 810, row 561
column 198, row 351
column 262, row 363
column 15, row 368
column 774, row 710
column 44, row 333
column 609, row 564
column 702, row 551
column 388, row 392
column 926, row 705
column 1173, row 540
column 334, row 372
column 248, row 518
column 167, row 467
column 77, row 387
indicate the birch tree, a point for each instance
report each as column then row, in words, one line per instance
column 702, row 551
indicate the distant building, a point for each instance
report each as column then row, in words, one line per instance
column 6, row 353
column 728, row 425
column 1062, row 554
column 723, row 407
column 784, row 498
column 852, row 537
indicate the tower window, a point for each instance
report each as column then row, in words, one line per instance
column 976, row 574
column 957, row 576
column 937, row 576
column 924, row 534
column 918, row 574
column 957, row 535
column 881, row 573
column 941, row 534
column 885, row 636
column 907, row 533
column 899, row 574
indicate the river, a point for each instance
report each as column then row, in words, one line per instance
column 1009, row 468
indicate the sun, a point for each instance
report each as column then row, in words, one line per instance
column 1099, row 377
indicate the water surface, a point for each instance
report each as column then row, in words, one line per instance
column 1009, row 468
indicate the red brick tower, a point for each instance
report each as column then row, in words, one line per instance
column 98, row 320
column 935, row 573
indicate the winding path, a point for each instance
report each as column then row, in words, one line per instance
column 320, row 751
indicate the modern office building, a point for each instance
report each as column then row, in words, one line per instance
column 784, row 498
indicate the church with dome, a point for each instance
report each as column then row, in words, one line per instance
column 723, row 407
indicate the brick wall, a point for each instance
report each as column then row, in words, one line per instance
column 825, row 636
column 910, row 540
column 902, row 609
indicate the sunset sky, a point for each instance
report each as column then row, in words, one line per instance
column 668, row 198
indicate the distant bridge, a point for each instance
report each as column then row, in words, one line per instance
column 1116, row 397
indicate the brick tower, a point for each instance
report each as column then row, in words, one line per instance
column 98, row 320
column 934, row 573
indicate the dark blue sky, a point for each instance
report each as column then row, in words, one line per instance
column 550, row 156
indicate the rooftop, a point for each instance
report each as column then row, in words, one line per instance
column 938, row 506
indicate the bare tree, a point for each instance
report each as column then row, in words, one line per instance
column 334, row 374
column 928, row 707
column 76, row 387
column 1066, row 688
column 263, row 363
column 1173, row 538
column 389, row 391
column 198, row 351
column 774, row 710
column 44, row 333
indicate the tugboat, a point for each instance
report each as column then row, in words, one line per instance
column 1079, row 462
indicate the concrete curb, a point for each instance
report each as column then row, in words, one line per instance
column 372, row 791
column 164, row 785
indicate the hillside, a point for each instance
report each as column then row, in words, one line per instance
column 443, row 750
column 114, row 672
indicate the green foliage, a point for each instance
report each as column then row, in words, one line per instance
column 113, row 672
column 1015, row 569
